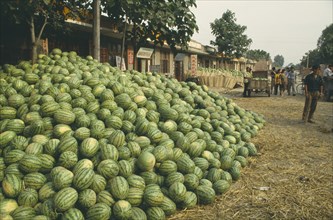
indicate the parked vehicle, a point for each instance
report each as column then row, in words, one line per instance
column 260, row 82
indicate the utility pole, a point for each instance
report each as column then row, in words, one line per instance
column 96, row 29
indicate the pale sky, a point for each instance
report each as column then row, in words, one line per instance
column 286, row 27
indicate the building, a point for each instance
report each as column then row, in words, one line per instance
column 149, row 58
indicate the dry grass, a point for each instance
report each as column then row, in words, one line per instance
column 292, row 178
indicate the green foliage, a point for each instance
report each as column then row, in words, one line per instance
column 278, row 61
column 325, row 45
column 23, row 11
column 323, row 54
column 257, row 55
column 38, row 14
column 310, row 58
column 160, row 21
column 230, row 37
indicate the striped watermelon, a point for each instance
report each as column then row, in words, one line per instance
column 7, row 206
column 61, row 177
column 47, row 191
column 30, row 163
column 146, row 161
column 83, row 178
column 89, row 147
column 108, row 168
column 119, row 187
column 28, row 197
column 177, row 191
column 63, row 116
column 12, row 185
column 23, row 213
column 65, row 199
column 99, row 211
column 153, row 196
column 138, row 214
column 117, row 138
column 135, row 196
column 205, row 194
column 34, row 180
column 155, row 213
column 105, row 197
column 73, row 214
column 122, row 209
column 87, row 198
column 98, row 184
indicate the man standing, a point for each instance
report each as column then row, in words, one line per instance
column 328, row 82
column 313, row 87
column 291, row 76
column 247, row 77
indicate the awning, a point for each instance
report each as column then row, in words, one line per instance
column 145, row 53
column 179, row 57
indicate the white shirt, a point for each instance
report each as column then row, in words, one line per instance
column 328, row 72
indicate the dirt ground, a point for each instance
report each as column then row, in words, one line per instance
column 292, row 177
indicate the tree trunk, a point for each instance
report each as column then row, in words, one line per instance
column 33, row 41
column 123, row 45
column 96, row 29
column 134, row 49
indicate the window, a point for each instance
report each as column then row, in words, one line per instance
column 165, row 63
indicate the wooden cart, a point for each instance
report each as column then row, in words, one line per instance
column 260, row 82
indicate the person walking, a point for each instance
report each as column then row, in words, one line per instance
column 277, row 82
column 291, row 77
column 313, row 87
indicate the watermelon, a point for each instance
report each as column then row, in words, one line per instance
column 28, row 197
column 87, row 198
column 205, row 194
column 83, row 178
column 7, row 206
column 122, row 209
column 65, row 199
column 119, row 187
column 73, row 213
column 99, row 211
column 146, row 161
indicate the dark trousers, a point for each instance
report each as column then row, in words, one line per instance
column 246, row 89
column 276, row 87
column 310, row 105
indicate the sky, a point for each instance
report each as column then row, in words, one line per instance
column 280, row 27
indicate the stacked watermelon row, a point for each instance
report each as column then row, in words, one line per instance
column 82, row 140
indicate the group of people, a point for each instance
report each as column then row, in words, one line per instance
column 282, row 80
column 313, row 88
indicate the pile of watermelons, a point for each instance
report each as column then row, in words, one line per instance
column 83, row 140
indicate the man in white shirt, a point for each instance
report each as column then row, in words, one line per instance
column 328, row 71
column 328, row 82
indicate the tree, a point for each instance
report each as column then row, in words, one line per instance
column 257, row 55
column 278, row 61
column 161, row 22
column 37, row 14
column 310, row 58
column 230, row 37
column 325, row 46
